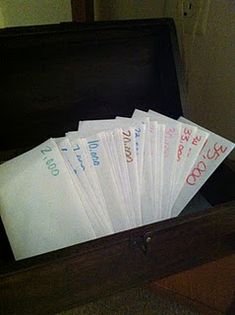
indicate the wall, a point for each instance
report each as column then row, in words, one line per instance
column 210, row 59
column 33, row 12
column 128, row 9
column 1, row 19
column 211, row 90
column 211, row 66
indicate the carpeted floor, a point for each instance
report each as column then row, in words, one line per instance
column 133, row 302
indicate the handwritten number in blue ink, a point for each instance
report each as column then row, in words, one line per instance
column 49, row 161
column 48, row 149
column 51, row 165
column 55, row 172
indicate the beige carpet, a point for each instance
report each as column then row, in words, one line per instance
column 133, row 302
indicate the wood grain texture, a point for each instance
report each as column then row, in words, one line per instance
column 82, row 10
column 54, row 76
column 82, row 273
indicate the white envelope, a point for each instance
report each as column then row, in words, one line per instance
column 40, row 208
column 88, row 128
column 113, row 141
column 128, row 142
column 126, row 168
column 211, row 155
column 171, row 139
column 147, row 188
column 139, row 145
column 89, row 202
column 188, row 158
column 89, row 179
column 140, row 128
column 188, row 146
column 105, row 170
column 157, row 146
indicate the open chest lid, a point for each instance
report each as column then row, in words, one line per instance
column 54, row 76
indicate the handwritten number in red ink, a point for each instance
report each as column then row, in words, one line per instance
column 196, row 140
column 196, row 173
column 187, row 131
column 218, row 150
column 180, row 151
column 170, row 132
column 127, row 133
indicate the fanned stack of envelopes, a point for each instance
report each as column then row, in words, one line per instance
column 109, row 176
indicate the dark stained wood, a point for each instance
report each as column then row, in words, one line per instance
column 82, row 10
column 53, row 76
column 220, row 187
column 82, row 273
column 231, row 308
column 6, row 254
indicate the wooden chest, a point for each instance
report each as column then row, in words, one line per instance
column 54, row 76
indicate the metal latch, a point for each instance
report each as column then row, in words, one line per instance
column 142, row 242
